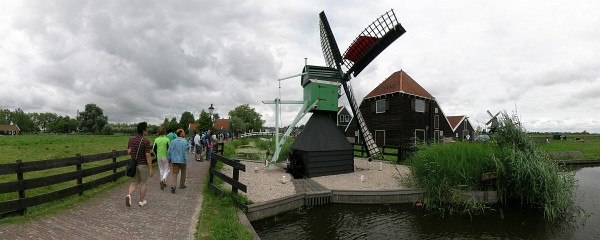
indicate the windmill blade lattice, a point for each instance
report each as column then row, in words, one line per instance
column 371, row 42
column 331, row 52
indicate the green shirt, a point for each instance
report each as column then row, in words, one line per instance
column 161, row 144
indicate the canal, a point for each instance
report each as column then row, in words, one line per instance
column 407, row 221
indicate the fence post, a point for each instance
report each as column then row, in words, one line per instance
column 212, row 166
column 236, row 177
column 114, row 161
column 22, row 210
column 79, row 173
column 399, row 153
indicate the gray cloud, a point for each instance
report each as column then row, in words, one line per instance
column 142, row 60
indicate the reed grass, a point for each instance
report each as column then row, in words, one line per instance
column 526, row 176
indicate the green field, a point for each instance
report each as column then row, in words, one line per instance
column 590, row 146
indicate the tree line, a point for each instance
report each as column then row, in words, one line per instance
column 93, row 121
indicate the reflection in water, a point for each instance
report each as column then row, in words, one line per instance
column 406, row 221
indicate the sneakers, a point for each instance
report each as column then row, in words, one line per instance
column 172, row 189
column 128, row 201
column 162, row 185
column 142, row 203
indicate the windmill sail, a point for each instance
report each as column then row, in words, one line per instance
column 372, row 148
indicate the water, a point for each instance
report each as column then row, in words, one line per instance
column 406, row 221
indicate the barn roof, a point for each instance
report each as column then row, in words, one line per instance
column 399, row 82
column 455, row 120
column 5, row 127
column 321, row 134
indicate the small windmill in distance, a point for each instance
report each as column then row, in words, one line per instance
column 493, row 123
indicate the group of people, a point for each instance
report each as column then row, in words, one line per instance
column 171, row 151
column 202, row 143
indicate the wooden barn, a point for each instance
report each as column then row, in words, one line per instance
column 401, row 112
column 461, row 128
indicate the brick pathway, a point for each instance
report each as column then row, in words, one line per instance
column 166, row 216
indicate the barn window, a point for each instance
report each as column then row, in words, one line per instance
column 380, row 108
column 436, row 122
column 419, row 105
column 347, row 118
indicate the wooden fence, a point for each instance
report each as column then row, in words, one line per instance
column 234, row 181
column 79, row 174
column 401, row 153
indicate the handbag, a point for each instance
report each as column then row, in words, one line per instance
column 132, row 164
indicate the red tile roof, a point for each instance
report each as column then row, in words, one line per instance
column 221, row 123
column 399, row 82
column 455, row 120
column 193, row 126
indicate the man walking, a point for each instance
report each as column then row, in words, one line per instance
column 178, row 156
column 139, row 150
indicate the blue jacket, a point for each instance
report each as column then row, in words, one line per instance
column 178, row 150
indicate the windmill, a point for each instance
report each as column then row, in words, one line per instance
column 493, row 122
column 321, row 148
column 365, row 47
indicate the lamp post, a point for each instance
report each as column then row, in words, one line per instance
column 211, row 109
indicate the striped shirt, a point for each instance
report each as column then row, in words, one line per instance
column 134, row 143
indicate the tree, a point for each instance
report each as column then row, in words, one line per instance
column 171, row 125
column 235, row 125
column 186, row 119
column 43, row 120
column 92, row 120
column 23, row 120
column 63, row 124
column 250, row 118
column 204, row 122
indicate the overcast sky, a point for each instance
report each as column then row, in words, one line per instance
column 147, row 60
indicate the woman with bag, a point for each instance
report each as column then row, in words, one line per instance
column 139, row 150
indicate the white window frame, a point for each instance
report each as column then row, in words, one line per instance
column 347, row 118
column 380, row 131
column 417, row 105
column 378, row 103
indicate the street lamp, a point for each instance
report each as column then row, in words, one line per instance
column 211, row 109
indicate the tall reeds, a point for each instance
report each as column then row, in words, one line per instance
column 526, row 176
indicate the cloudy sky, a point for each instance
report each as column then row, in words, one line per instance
column 147, row 60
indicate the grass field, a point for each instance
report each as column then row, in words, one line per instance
column 46, row 146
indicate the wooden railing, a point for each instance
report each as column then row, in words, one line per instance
column 234, row 181
column 401, row 153
column 79, row 174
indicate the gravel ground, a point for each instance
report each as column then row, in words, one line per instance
column 265, row 184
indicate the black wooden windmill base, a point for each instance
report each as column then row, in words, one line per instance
column 321, row 149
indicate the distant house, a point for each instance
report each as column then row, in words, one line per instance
column 221, row 125
column 11, row 129
column 192, row 128
column 343, row 118
column 399, row 111
column 461, row 127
